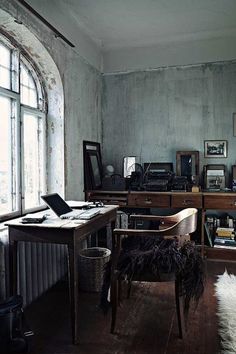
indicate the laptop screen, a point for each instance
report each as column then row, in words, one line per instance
column 56, row 203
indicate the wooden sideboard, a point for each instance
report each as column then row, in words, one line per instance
column 203, row 201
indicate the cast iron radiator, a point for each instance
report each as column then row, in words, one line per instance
column 40, row 266
column 2, row 272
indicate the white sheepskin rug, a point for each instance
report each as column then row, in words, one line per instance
column 225, row 289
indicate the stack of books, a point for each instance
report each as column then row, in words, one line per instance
column 225, row 236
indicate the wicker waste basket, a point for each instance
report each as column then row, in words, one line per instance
column 91, row 265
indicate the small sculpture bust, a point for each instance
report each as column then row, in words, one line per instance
column 109, row 170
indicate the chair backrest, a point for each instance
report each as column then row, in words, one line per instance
column 186, row 222
column 182, row 223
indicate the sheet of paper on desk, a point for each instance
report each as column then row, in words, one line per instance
column 76, row 223
column 55, row 222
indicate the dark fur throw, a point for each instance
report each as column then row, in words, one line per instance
column 156, row 257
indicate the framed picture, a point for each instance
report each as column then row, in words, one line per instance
column 187, row 163
column 215, row 148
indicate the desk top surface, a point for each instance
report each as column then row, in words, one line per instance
column 53, row 221
column 126, row 193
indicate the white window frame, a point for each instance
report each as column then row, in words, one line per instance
column 14, row 93
column 42, row 115
column 15, row 96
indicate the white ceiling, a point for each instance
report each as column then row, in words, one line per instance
column 129, row 23
column 118, row 24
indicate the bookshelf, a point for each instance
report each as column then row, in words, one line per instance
column 220, row 231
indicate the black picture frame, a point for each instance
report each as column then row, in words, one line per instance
column 187, row 163
column 92, row 165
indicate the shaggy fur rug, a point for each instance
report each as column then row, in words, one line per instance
column 157, row 257
column 225, row 289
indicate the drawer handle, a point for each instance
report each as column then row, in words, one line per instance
column 148, row 201
column 187, row 202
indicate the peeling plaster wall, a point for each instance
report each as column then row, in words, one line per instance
column 74, row 90
column 152, row 114
column 82, row 119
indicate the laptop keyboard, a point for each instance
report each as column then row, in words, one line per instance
column 74, row 214
column 88, row 214
column 81, row 214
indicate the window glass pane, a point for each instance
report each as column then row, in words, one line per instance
column 28, row 88
column 33, row 160
column 5, row 77
column 7, row 157
column 5, row 57
column 31, row 83
column 5, row 65
column 33, row 98
column 23, row 75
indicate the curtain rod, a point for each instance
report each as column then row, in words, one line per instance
column 35, row 13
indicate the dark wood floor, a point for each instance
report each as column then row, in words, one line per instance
column 146, row 322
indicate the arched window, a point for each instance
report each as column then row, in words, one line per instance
column 22, row 134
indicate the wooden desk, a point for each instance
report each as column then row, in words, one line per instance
column 58, row 231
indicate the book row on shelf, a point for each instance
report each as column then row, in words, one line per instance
column 220, row 231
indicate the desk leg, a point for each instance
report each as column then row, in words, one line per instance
column 73, row 291
column 109, row 230
column 12, row 266
column 203, row 233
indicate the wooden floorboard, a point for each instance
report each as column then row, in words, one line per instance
column 146, row 322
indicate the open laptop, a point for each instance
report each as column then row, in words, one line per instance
column 64, row 211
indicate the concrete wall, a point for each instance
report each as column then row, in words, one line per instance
column 82, row 85
column 75, row 115
column 152, row 114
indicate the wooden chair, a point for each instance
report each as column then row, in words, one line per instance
column 178, row 226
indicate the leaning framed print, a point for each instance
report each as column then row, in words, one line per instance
column 215, row 148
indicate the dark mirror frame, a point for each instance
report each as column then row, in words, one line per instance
column 92, row 172
column 183, row 155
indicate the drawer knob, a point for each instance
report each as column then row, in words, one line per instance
column 187, row 202
column 148, row 201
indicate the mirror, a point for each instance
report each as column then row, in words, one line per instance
column 187, row 164
column 95, row 170
column 128, row 165
column 92, row 165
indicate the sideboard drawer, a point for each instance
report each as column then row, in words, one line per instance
column 219, row 202
column 151, row 200
column 186, row 201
